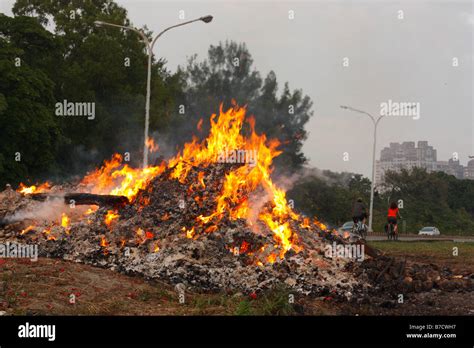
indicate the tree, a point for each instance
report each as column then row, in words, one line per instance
column 434, row 199
column 105, row 66
column 29, row 134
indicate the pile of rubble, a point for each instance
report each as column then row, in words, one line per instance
column 390, row 275
column 154, row 240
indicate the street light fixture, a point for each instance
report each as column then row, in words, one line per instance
column 375, row 121
column 149, row 46
column 206, row 19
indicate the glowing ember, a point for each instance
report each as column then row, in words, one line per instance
column 320, row 225
column 111, row 216
column 103, row 242
column 189, row 233
column 271, row 258
column 28, row 229
column 305, row 223
column 48, row 235
column 91, row 210
column 65, row 222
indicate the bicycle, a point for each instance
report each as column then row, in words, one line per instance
column 392, row 231
column 360, row 228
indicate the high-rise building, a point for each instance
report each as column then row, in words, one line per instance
column 406, row 156
column 469, row 170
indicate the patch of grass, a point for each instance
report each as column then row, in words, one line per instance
column 272, row 302
column 244, row 308
column 430, row 251
column 442, row 248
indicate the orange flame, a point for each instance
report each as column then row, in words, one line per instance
column 150, row 144
column 26, row 230
column 22, row 188
column 65, row 222
column 111, row 216
column 251, row 157
column 116, row 178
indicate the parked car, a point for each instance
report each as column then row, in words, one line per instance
column 347, row 227
column 429, row 231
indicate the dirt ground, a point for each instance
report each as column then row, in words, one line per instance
column 57, row 287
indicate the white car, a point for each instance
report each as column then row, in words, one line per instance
column 429, row 231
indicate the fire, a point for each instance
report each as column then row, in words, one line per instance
column 111, row 216
column 201, row 179
column 225, row 135
column 189, row 233
column 48, row 235
column 320, row 225
column 91, row 210
column 150, row 144
column 104, row 244
column 230, row 132
column 26, row 230
column 244, row 247
column 305, row 223
column 22, row 188
column 116, row 178
column 271, row 258
column 65, row 222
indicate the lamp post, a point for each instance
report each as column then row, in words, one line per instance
column 375, row 121
column 149, row 45
column 372, row 184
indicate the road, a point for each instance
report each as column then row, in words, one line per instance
column 414, row 237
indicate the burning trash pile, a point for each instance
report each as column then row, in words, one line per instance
column 210, row 218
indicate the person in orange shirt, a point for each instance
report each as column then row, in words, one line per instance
column 392, row 214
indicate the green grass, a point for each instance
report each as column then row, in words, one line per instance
column 273, row 302
column 438, row 249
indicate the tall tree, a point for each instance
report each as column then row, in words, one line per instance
column 106, row 66
column 29, row 134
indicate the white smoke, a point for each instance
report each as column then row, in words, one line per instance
column 49, row 210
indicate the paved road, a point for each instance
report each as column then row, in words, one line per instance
column 414, row 237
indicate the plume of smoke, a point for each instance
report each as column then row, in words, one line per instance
column 49, row 210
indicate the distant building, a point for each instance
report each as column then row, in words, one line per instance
column 451, row 167
column 469, row 170
column 406, row 156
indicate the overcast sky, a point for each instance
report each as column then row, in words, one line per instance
column 405, row 60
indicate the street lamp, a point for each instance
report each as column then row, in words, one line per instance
column 149, row 46
column 375, row 121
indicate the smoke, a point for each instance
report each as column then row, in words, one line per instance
column 49, row 210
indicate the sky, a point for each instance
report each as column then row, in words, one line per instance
column 397, row 50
